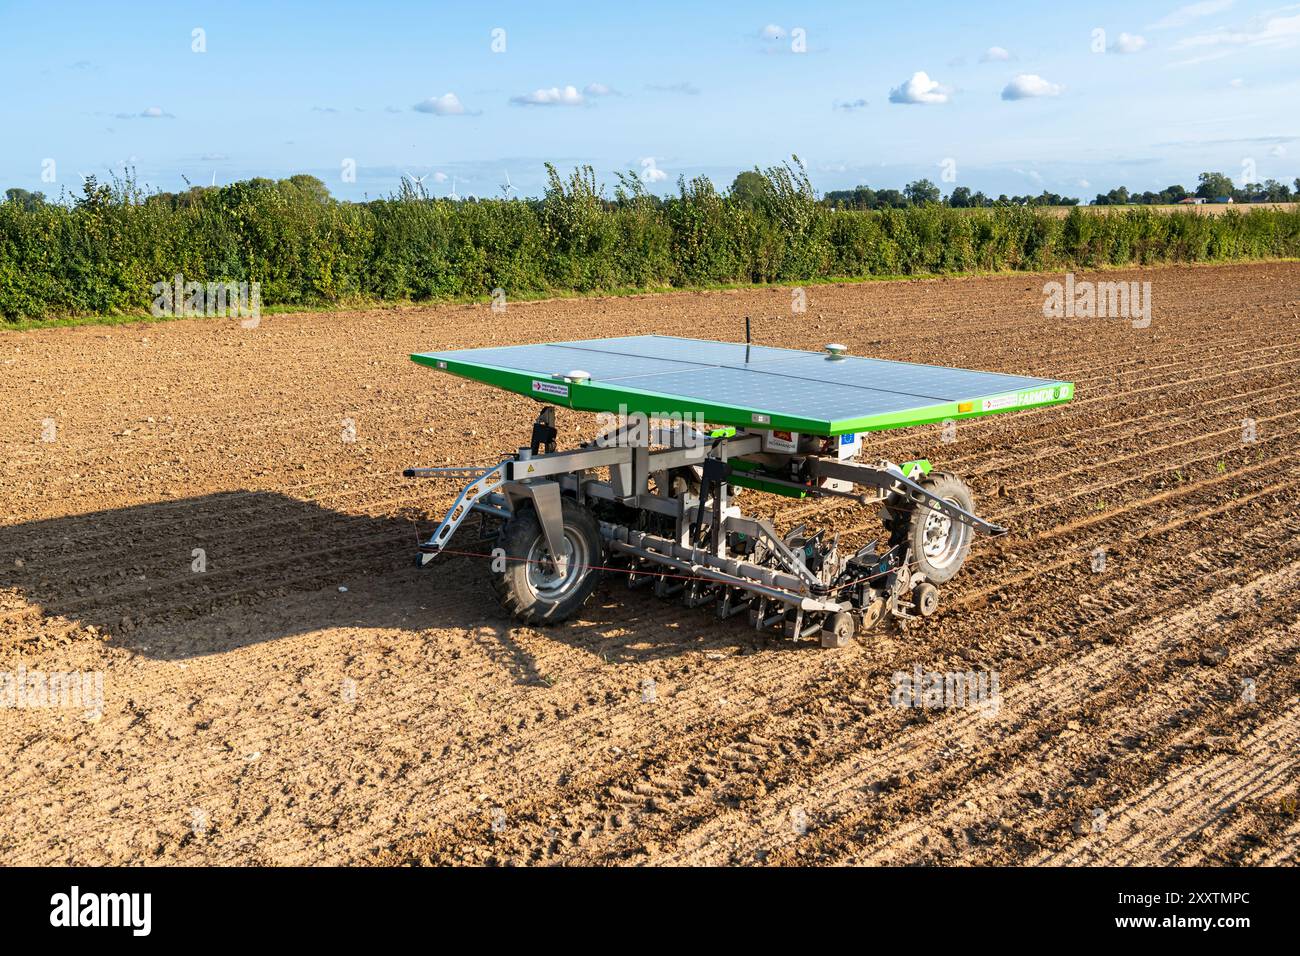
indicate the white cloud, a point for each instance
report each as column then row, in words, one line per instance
column 597, row 89
column 684, row 88
column 772, row 32
column 1262, row 31
column 995, row 54
column 1237, row 83
column 1277, row 151
column 1193, row 11
column 1205, row 58
column 1129, row 43
column 650, row 172
column 1028, row 85
column 448, row 104
column 920, row 89
column 440, row 177
column 554, row 96
column 1084, row 184
column 149, row 112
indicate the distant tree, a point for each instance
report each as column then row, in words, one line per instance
column 859, row 197
column 1213, row 185
column 1297, row 186
column 960, row 198
column 890, row 199
column 307, row 185
column 979, row 199
column 28, row 200
column 749, row 188
column 922, row 192
column 1251, row 192
column 1275, row 191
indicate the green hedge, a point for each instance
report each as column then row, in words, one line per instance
column 101, row 253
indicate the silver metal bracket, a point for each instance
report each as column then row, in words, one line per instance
column 546, row 498
column 890, row 478
column 486, row 482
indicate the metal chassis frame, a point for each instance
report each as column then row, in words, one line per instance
column 544, row 478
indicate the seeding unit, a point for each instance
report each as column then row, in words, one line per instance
column 687, row 423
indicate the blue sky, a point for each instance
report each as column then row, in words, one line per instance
column 1013, row 94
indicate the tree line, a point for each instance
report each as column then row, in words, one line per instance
column 101, row 252
column 1211, row 187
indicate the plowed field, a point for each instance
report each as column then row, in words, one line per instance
column 213, row 518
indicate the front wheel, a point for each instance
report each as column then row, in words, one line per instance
column 939, row 544
column 533, row 585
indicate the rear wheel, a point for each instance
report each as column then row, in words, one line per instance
column 534, row 585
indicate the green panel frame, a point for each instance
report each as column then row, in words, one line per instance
column 589, row 396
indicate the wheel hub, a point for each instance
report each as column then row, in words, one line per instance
column 938, row 529
column 552, row 577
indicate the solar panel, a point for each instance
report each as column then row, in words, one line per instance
column 730, row 383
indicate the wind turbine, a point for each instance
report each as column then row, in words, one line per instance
column 454, row 197
column 507, row 186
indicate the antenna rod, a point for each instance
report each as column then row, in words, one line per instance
column 746, row 340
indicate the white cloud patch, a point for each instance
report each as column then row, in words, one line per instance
column 1129, row 43
column 147, row 113
column 553, row 96
column 920, row 89
column 684, row 88
column 650, row 171
column 598, row 89
column 1028, row 86
column 1193, row 11
column 995, row 54
column 448, row 104
column 1266, row 30
column 772, row 32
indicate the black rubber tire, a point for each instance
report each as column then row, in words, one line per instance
column 941, row 567
column 523, row 542
column 925, row 599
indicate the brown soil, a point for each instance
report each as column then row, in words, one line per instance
column 257, row 712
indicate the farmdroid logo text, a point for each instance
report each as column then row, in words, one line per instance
column 74, row 909
column 177, row 298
